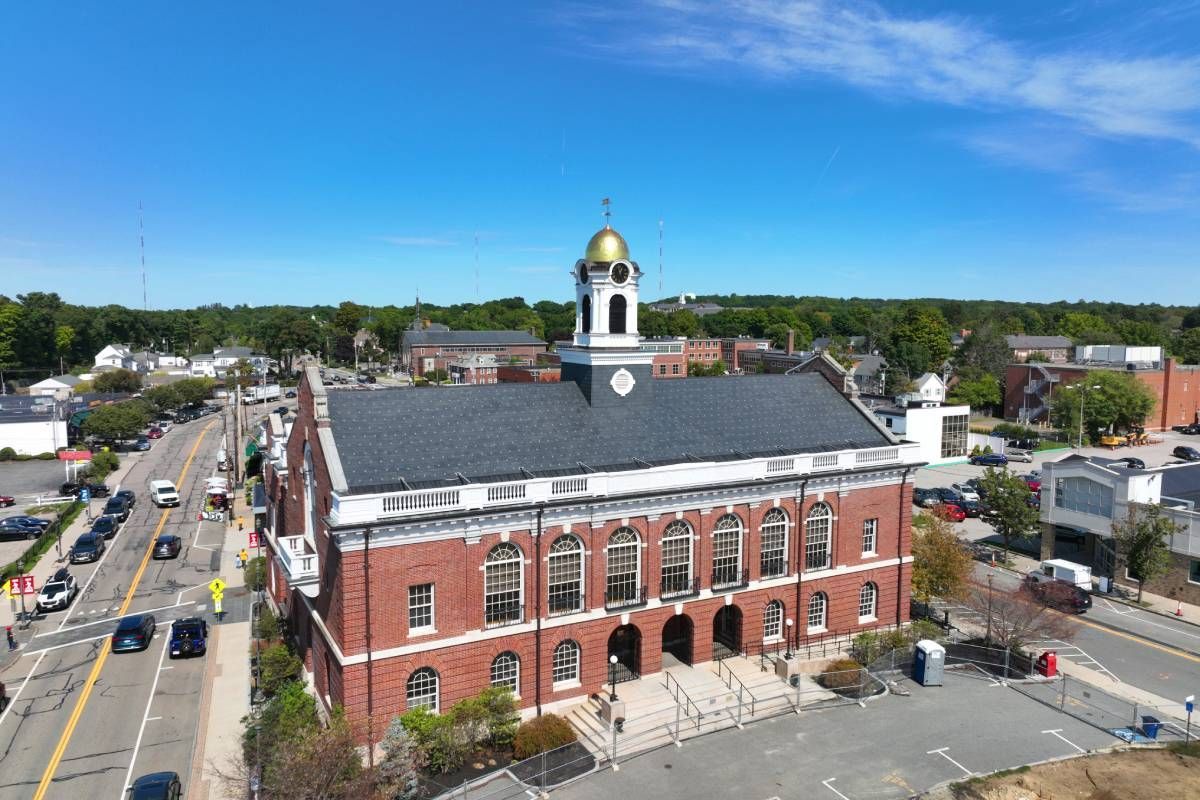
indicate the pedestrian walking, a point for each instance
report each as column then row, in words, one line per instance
column 243, row 557
column 241, row 522
column 12, row 642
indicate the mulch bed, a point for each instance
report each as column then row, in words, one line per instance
column 560, row 765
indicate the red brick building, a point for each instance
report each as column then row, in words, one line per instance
column 542, row 373
column 427, row 544
column 426, row 350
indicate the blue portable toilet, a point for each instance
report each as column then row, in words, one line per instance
column 929, row 662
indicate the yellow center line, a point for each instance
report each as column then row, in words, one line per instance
column 65, row 739
column 1133, row 637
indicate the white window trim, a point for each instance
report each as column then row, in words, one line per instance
column 424, row 630
column 516, row 692
column 520, row 560
column 874, row 551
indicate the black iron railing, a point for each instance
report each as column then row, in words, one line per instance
column 624, row 597
column 774, row 567
column 501, row 614
column 678, row 586
column 724, row 579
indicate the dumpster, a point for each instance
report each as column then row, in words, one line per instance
column 1150, row 726
column 1047, row 664
column 929, row 661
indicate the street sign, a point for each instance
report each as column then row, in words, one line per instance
column 1189, row 702
column 216, row 586
column 19, row 585
column 253, row 539
column 85, row 495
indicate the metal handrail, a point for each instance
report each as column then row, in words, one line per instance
column 727, row 673
column 724, row 580
column 687, row 704
column 673, row 588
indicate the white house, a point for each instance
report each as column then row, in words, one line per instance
column 116, row 356
column 171, row 360
column 931, row 388
column 59, row 386
column 214, row 364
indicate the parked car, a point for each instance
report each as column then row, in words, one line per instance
column 950, row 511
column 129, row 495
column 106, row 526
column 966, row 491
column 156, row 786
column 88, row 547
column 142, row 444
column 13, row 528
column 58, row 592
column 189, row 637
column 283, row 411
column 949, row 496
column 39, row 522
column 290, row 393
column 989, row 460
column 1034, row 482
column 154, row 433
column 1186, row 453
column 167, row 546
column 972, row 508
column 925, row 497
column 72, row 488
column 1055, row 593
column 118, row 507
column 1189, row 430
column 1017, row 454
column 6, row 501
column 1130, row 462
column 133, row 633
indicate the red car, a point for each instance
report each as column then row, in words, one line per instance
column 1034, row 484
column 950, row 511
column 6, row 501
column 154, row 433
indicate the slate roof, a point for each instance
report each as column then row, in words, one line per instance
column 432, row 337
column 1022, row 342
column 868, row 366
column 419, row 438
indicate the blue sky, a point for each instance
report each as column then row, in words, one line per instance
column 307, row 153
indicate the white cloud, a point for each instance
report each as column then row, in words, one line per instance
column 945, row 59
column 417, row 241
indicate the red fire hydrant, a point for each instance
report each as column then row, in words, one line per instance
column 1047, row 664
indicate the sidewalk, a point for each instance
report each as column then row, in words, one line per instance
column 51, row 561
column 227, row 684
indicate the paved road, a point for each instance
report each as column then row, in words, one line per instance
column 87, row 728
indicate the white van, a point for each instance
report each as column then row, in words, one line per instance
column 164, row 493
column 1067, row 571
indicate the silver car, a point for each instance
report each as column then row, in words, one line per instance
column 1016, row 454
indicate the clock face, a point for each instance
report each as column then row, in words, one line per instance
column 583, row 273
column 620, row 273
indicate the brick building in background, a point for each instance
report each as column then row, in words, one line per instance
column 426, row 350
column 429, row 543
column 1029, row 388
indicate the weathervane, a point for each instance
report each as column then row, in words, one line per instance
column 607, row 211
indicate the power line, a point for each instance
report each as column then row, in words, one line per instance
column 142, row 248
column 660, row 256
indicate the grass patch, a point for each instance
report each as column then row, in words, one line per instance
column 55, row 508
column 1190, row 749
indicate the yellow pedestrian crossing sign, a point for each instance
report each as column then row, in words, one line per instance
column 216, row 586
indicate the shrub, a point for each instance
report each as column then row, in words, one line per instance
column 7, row 454
column 975, row 450
column 441, row 740
column 541, row 734
column 987, row 450
column 255, row 573
column 845, row 673
column 267, row 626
column 103, row 464
column 923, row 629
column 502, row 714
column 277, row 666
column 46, row 456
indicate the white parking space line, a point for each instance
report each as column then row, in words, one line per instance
column 1142, row 619
column 68, row 644
column 1076, row 655
column 145, row 718
column 114, row 608
column 83, row 591
column 941, row 751
column 828, row 781
column 1058, row 732
column 17, row 695
column 1117, row 608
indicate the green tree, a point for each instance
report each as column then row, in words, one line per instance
column 11, row 315
column 980, row 391
column 194, row 390
column 919, row 329
column 64, row 339
column 278, row 666
column 1006, row 499
column 1083, row 328
column 399, row 771
column 682, row 323
column 778, row 334
column 164, row 398
column 700, row 369
column 1140, row 333
column 941, row 563
column 1144, row 542
column 985, row 350
column 1111, row 401
column 118, row 381
column 1186, row 346
column 116, row 422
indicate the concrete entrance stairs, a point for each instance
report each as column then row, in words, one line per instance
column 684, row 701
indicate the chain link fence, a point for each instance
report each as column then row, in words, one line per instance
column 1087, row 703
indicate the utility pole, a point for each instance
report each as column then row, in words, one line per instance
column 142, row 248
column 237, row 436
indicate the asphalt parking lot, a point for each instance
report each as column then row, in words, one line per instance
column 894, row 748
column 24, row 480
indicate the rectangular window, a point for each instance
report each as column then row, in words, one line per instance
column 674, row 369
column 1084, row 495
column 954, row 436
column 870, row 529
column 420, row 607
column 662, row 369
column 1194, row 571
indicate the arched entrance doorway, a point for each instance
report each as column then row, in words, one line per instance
column 727, row 632
column 677, row 640
column 626, row 644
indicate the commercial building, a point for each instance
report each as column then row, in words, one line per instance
column 1082, row 497
column 1055, row 349
column 540, row 373
column 60, row 386
column 33, row 425
column 474, row 370
column 427, row 544
column 427, row 350
column 1029, row 388
column 669, row 360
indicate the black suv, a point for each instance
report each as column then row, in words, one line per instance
column 88, row 547
column 73, row 488
column 106, row 526
column 167, row 546
column 129, row 496
column 118, row 507
column 189, row 637
column 1186, row 453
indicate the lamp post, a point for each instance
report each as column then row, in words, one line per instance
column 1082, row 389
column 788, row 653
column 612, row 679
column 987, row 637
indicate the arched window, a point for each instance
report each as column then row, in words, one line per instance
column 816, row 537
column 621, row 581
column 773, row 621
column 502, row 584
column 585, row 314
column 566, row 662
column 816, row 612
column 310, row 494
column 773, row 543
column 565, row 567
column 506, row 671
column 616, row 314
column 866, row 602
column 676, row 559
column 727, row 552
column 421, row 691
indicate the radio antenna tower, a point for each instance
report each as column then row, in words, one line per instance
column 476, row 266
column 142, row 247
column 660, row 259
